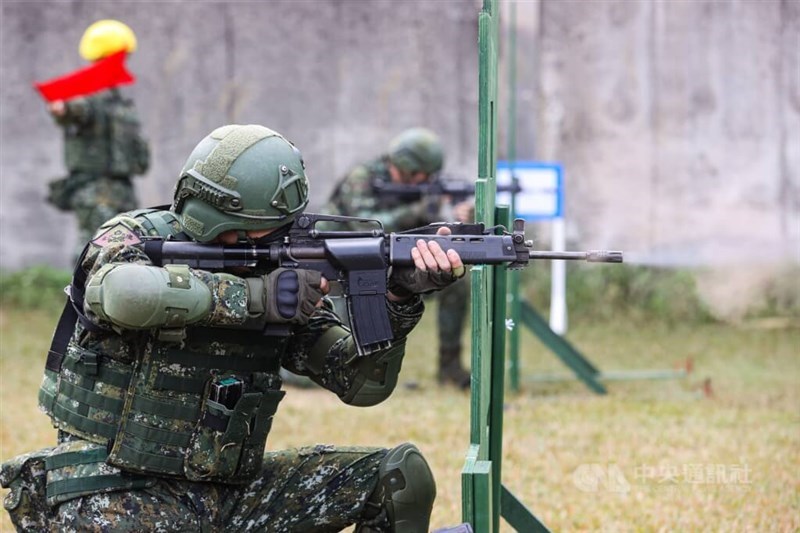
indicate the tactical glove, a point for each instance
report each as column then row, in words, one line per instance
column 406, row 281
column 285, row 296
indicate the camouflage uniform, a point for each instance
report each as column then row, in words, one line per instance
column 132, row 455
column 103, row 149
column 354, row 196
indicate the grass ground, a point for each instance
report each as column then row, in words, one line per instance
column 678, row 455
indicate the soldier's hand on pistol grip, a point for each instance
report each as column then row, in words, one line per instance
column 434, row 269
column 287, row 296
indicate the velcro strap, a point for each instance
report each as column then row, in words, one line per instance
column 179, row 276
column 157, row 435
column 180, row 383
column 90, row 398
column 88, row 485
column 232, row 363
column 150, row 461
column 83, row 423
column 117, row 377
column 76, row 458
column 173, row 410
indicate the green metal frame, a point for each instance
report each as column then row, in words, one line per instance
column 580, row 365
column 521, row 312
column 484, row 498
column 511, row 155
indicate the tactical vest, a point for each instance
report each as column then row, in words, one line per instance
column 111, row 143
column 199, row 409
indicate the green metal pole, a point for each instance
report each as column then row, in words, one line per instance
column 513, row 280
column 503, row 215
column 477, row 482
column 482, row 489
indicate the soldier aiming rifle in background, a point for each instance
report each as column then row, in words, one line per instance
column 414, row 158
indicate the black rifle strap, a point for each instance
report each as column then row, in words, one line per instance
column 72, row 313
column 64, row 329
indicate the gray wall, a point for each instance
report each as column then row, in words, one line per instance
column 678, row 123
column 339, row 78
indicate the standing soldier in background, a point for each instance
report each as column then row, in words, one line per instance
column 414, row 157
column 103, row 146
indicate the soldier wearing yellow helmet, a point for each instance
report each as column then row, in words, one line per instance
column 106, row 37
column 103, row 146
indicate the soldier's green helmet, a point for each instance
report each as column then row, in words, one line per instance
column 417, row 150
column 240, row 178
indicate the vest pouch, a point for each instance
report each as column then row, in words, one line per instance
column 253, row 452
column 61, row 191
column 216, row 446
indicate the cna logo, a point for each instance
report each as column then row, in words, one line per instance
column 594, row 477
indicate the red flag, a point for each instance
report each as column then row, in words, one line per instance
column 103, row 74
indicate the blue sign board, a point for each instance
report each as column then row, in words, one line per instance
column 542, row 188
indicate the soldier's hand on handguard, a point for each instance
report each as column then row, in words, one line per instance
column 287, row 296
column 434, row 270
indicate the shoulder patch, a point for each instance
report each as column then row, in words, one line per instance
column 118, row 233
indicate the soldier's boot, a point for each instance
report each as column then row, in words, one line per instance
column 450, row 369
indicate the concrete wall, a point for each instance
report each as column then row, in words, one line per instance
column 678, row 123
column 339, row 78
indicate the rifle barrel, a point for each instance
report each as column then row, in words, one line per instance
column 592, row 256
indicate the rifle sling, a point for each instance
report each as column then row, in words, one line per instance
column 72, row 313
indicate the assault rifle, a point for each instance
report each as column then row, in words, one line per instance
column 359, row 260
column 438, row 186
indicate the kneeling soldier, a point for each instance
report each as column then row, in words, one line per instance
column 164, row 389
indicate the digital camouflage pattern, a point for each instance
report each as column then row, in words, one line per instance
column 103, row 149
column 104, row 476
column 355, row 196
column 318, row 488
column 99, row 200
column 102, row 136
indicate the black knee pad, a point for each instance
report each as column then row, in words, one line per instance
column 406, row 489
